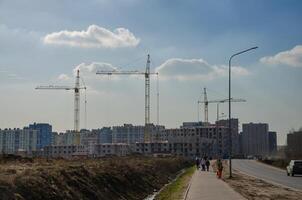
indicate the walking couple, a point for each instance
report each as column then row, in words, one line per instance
column 203, row 163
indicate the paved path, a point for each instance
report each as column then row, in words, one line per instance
column 205, row 186
column 268, row 173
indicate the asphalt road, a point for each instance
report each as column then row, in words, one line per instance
column 268, row 173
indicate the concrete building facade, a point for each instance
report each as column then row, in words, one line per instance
column 272, row 142
column 44, row 135
column 255, row 139
column 16, row 140
column 294, row 145
column 131, row 134
column 151, row 147
column 64, row 151
column 109, row 149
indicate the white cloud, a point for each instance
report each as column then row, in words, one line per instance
column 88, row 69
column 193, row 69
column 292, row 57
column 63, row 77
column 93, row 37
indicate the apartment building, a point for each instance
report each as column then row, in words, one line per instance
column 64, row 151
column 109, row 149
column 294, row 144
column 44, row 134
column 15, row 140
column 255, row 139
column 151, row 147
column 131, row 134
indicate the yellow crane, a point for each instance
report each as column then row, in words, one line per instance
column 206, row 104
column 76, row 89
column 147, row 74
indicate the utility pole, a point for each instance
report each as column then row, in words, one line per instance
column 230, row 126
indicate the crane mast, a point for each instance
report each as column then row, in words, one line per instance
column 206, row 106
column 77, row 103
column 76, row 89
column 147, row 100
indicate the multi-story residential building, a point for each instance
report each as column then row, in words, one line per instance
column 9, row 137
column 272, row 142
column 151, row 147
column 198, row 139
column 255, row 139
column 44, row 134
column 88, row 139
column 225, row 140
column 59, row 139
column 9, row 140
column 54, row 138
column 294, row 145
column 117, row 149
column 192, row 140
column 104, row 135
column 15, row 140
column 69, row 138
column 64, row 151
column 130, row 134
column 28, row 140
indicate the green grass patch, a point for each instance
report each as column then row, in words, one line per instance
column 176, row 189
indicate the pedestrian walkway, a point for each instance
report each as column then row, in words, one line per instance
column 205, row 186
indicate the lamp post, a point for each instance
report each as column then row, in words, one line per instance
column 230, row 132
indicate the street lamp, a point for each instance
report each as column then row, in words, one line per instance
column 230, row 132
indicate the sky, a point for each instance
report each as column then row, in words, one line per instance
column 190, row 42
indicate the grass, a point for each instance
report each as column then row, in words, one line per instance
column 177, row 188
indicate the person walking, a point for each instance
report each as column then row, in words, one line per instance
column 203, row 164
column 219, row 168
column 207, row 164
column 197, row 161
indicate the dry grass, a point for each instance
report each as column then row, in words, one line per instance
column 176, row 189
column 108, row 178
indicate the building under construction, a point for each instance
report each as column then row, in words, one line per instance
column 199, row 139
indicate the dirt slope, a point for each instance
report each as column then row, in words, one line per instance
column 110, row 178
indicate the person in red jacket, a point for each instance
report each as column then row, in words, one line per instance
column 219, row 168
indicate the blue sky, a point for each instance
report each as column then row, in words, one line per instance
column 189, row 42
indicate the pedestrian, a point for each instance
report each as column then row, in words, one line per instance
column 207, row 164
column 197, row 161
column 203, row 164
column 219, row 168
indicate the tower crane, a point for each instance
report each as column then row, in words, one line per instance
column 206, row 104
column 147, row 74
column 76, row 89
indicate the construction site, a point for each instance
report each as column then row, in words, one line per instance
column 191, row 139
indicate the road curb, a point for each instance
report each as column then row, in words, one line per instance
column 188, row 188
column 268, row 181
